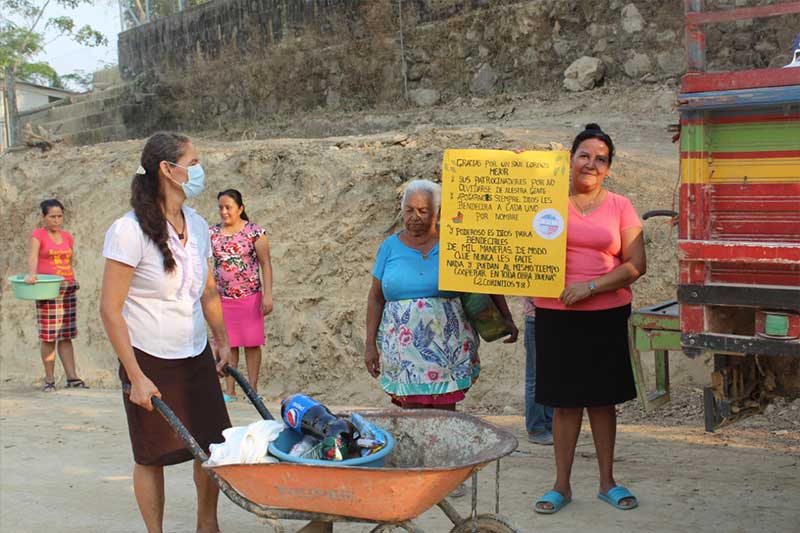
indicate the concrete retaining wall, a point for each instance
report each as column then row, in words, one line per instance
column 114, row 114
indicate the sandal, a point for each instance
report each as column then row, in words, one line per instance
column 228, row 398
column 76, row 383
column 554, row 498
column 615, row 497
column 49, row 386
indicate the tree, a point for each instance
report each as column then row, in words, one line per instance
column 23, row 38
column 15, row 46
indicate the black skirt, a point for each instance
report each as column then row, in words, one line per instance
column 583, row 357
column 190, row 387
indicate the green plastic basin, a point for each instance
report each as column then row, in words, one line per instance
column 45, row 288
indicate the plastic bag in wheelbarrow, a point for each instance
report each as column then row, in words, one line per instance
column 246, row 444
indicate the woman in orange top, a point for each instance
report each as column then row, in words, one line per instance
column 52, row 253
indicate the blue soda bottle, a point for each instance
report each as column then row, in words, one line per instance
column 309, row 417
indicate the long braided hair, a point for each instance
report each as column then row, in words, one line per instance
column 145, row 194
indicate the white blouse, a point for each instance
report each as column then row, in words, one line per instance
column 163, row 311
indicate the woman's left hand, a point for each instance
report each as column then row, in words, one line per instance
column 223, row 356
column 513, row 329
column 575, row 293
column 266, row 305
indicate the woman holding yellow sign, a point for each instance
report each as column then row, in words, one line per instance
column 418, row 338
column 583, row 360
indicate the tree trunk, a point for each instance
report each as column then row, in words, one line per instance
column 12, row 115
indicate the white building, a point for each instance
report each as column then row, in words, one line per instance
column 29, row 96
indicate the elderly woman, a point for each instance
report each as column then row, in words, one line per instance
column 157, row 296
column 428, row 351
column 582, row 337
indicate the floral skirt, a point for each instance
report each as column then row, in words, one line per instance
column 427, row 348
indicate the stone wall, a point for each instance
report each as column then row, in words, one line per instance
column 248, row 60
column 207, row 29
column 113, row 114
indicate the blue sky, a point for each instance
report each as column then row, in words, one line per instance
column 66, row 56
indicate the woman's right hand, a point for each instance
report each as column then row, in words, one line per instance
column 372, row 361
column 142, row 390
column 30, row 279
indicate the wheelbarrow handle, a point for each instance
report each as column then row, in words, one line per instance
column 255, row 399
column 200, row 455
column 173, row 420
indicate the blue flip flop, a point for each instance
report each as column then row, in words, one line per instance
column 228, row 398
column 616, row 495
column 555, row 499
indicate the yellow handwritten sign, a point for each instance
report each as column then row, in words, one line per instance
column 503, row 222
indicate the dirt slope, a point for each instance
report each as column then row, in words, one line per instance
column 328, row 203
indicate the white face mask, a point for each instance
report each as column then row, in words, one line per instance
column 197, row 180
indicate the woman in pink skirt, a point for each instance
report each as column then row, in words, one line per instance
column 241, row 250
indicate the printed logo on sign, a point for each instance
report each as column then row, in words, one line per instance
column 291, row 417
column 548, row 224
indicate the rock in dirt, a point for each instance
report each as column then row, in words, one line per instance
column 400, row 138
column 417, row 71
column 484, row 80
column 638, row 65
column 671, row 63
column 498, row 114
column 424, row 97
column 632, row 20
column 583, row 74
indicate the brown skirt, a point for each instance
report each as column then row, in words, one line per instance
column 190, row 388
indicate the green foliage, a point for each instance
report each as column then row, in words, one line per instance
column 40, row 73
column 15, row 44
column 80, row 79
column 21, row 41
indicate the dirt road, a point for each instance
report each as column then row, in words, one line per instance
column 65, row 465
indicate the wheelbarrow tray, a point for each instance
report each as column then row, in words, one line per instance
column 435, row 451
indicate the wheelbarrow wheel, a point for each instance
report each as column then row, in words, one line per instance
column 486, row 523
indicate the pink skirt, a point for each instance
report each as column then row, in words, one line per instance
column 243, row 320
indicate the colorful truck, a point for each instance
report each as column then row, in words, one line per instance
column 739, row 229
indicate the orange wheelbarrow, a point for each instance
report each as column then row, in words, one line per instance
column 435, row 451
